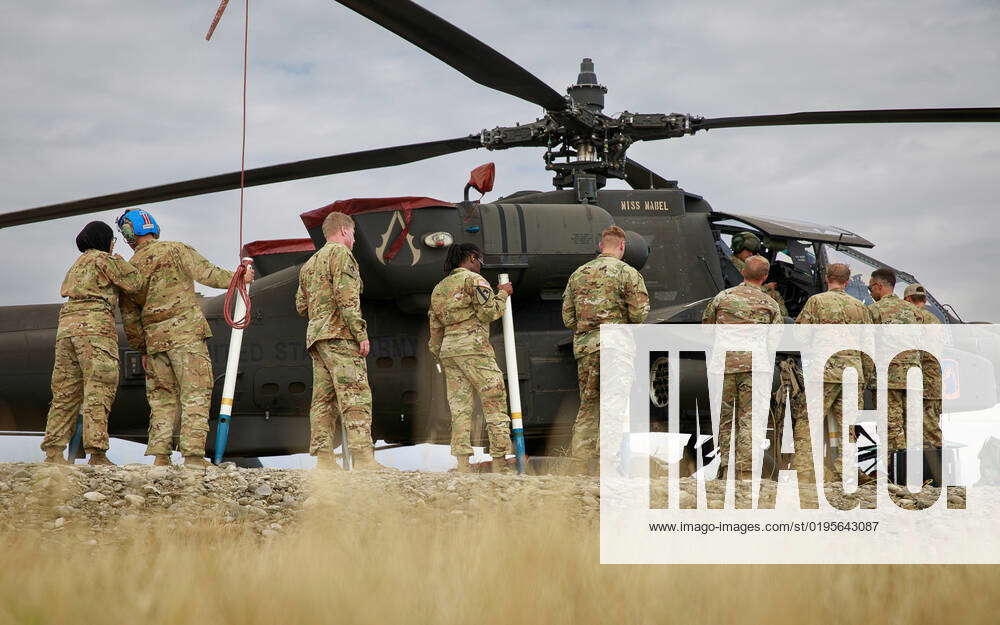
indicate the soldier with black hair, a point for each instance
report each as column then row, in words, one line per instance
column 86, row 359
column 463, row 305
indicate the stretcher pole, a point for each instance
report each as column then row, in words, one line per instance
column 513, row 383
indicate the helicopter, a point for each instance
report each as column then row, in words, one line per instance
column 675, row 238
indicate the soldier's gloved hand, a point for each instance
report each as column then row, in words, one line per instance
column 507, row 288
column 248, row 276
column 145, row 359
column 364, row 347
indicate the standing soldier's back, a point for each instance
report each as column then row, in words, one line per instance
column 171, row 310
column 744, row 303
column 604, row 290
column 329, row 295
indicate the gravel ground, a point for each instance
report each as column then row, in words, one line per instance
column 97, row 500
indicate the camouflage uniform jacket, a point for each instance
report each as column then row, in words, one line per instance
column 932, row 374
column 329, row 294
column 892, row 310
column 92, row 285
column 462, row 307
column 837, row 307
column 166, row 312
column 742, row 304
column 771, row 291
column 605, row 290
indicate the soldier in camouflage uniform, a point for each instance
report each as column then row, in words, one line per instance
column 889, row 309
column 745, row 245
column 86, row 359
column 834, row 306
column 462, row 307
column 329, row 294
column 742, row 304
column 931, row 368
column 604, row 290
column 165, row 323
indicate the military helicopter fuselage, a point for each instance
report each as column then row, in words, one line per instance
column 537, row 238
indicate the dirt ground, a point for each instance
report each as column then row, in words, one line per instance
column 140, row 544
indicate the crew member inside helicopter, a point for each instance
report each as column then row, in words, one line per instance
column 744, row 245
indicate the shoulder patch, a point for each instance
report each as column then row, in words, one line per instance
column 483, row 293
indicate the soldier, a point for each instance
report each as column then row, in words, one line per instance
column 329, row 295
column 916, row 295
column 604, row 290
column 462, row 307
column 742, row 304
column 86, row 362
column 889, row 309
column 834, row 306
column 165, row 323
column 745, row 245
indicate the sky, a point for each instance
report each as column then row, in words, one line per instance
column 103, row 96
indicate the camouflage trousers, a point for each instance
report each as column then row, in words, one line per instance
column 932, row 422
column 587, row 443
column 479, row 373
column 833, row 427
column 931, row 417
column 85, row 375
column 586, row 428
column 179, row 390
column 737, row 406
column 340, row 391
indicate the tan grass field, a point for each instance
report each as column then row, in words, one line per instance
column 363, row 557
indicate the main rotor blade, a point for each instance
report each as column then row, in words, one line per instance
column 884, row 116
column 640, row 177
column 459, row 49
column 323, row 166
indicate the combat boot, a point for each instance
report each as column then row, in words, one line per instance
column 99, row 458
column 463, row 464
column 161, row 460
column 499, row 465
column 55, row 456
column 364, row 460
column 326, row 462
column 195, row 462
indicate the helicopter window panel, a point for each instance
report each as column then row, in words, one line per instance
column 782, row 228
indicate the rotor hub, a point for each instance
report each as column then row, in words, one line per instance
column 587, row 92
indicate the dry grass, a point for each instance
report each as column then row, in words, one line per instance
column 364, row 558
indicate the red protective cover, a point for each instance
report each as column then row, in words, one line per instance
column 277, row 246
column 482, row 178
column 357, row 206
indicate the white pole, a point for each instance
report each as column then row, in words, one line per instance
column 513, row 383
column 229, row 384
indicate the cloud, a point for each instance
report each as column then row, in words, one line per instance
column 110, row 95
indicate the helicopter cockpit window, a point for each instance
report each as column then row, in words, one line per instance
column 861, row 271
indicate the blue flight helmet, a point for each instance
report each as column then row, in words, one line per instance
column 135, row 223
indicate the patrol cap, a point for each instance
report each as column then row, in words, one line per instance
column 745, row 241
column 915, row 289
